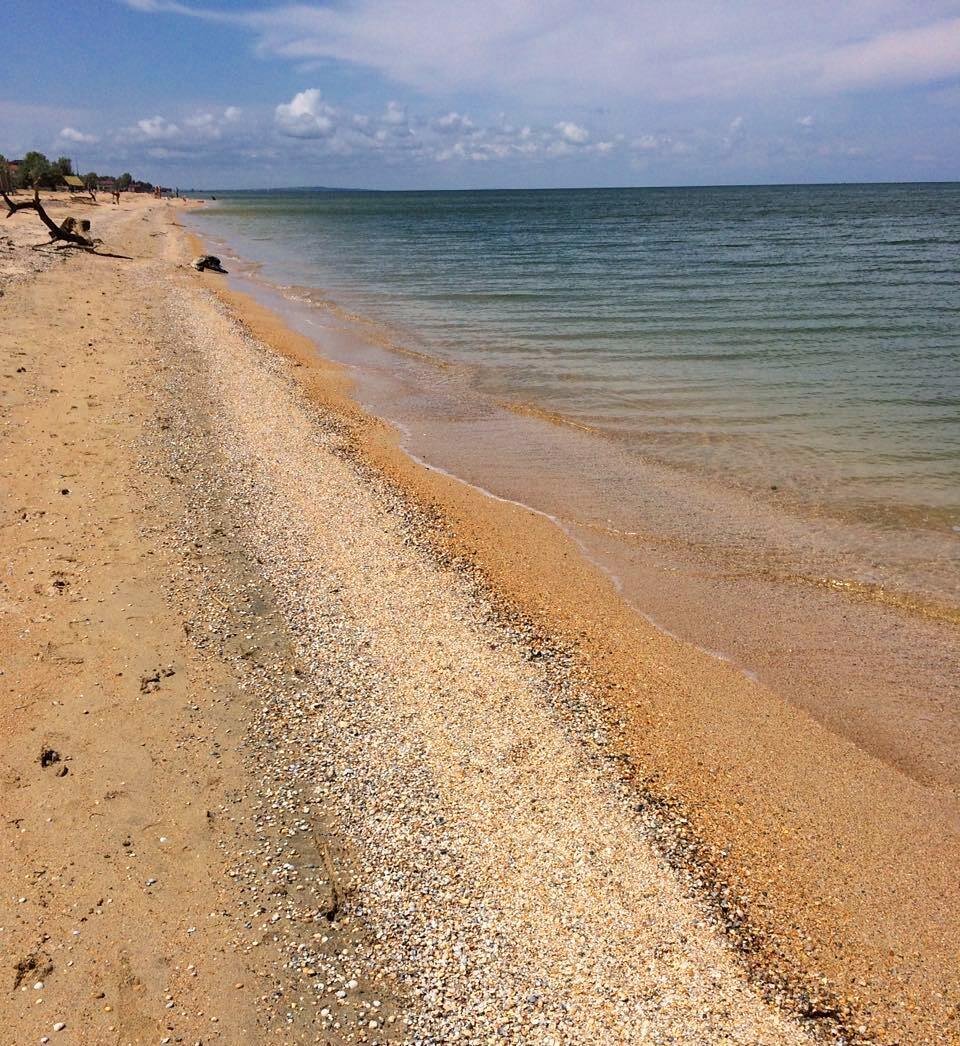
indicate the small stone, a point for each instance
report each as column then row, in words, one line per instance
column 60, row 1025
column 49, row 756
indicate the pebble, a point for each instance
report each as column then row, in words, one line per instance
column 500, row 874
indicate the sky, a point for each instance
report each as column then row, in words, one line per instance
column 415, row 94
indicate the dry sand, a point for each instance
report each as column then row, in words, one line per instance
column 338, row 750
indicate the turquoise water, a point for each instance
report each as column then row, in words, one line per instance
column 803, row 337
column 743, row 404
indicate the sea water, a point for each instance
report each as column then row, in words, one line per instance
column 742, row 402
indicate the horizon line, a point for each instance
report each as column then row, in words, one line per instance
column 584, row 188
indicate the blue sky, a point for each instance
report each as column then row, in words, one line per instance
column 492, row 93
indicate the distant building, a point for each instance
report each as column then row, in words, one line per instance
column 107, row 184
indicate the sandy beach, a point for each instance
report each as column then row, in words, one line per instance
column 307, row 742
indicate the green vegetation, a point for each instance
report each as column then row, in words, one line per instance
column 36, row 171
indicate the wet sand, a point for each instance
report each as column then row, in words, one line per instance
column 854, row 622
column 440, row 778
column 838, row 867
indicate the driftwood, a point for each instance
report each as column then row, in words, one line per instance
column 72, row 231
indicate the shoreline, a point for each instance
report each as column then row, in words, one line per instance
column 806, row 790
column 818, row 859
column 790, row 599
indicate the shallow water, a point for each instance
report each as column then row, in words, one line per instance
column 807, row 336
column 743, row 403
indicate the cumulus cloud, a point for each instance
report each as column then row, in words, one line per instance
column 154, row 128
column 661, row 86
column 572, row 132
column 309, row 128
column 309, row 134
column 395, row 135
column 453, row 122
column 71, row 134
column 652, row 143
column 206, row 125
column 191, row 134
column 395, row 114
column 307, row 115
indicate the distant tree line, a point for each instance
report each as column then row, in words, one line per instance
column 36, row 171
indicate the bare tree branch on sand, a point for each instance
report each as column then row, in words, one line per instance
column 73, row 232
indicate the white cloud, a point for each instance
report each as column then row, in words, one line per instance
column 921, row 54
column 160, row 6
column 395, row 135
column 309, row 134
column 305, row 116
column 697, row 89
column 613, row 48
column 189, row 134
column 572, row 132
column 453, row 122
column 71, row 134
column 155, row 128
column 653, row 143
column 395, row 114
column 208, row 126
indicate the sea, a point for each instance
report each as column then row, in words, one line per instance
column 742, row 403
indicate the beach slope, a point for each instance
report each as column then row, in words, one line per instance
column 278, row 765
